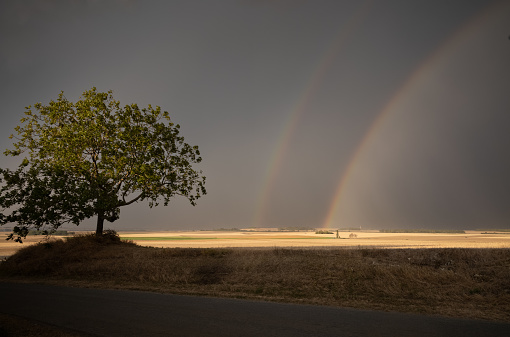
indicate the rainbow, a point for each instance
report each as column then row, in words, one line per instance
column 292, row 121
column 447, row 48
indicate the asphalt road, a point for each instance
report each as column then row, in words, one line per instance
column 135, row 313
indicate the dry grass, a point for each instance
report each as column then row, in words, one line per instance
column 457, row 282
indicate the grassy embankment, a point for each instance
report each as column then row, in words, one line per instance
column 457, row 282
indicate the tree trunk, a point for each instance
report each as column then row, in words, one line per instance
column 100, row 222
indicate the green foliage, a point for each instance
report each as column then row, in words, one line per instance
column 295, row 229
column 91, row 158
column 323, row 232
column 53, row 232
column 453, row 231
column 227, row 229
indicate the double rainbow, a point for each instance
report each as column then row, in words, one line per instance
column 446, row 48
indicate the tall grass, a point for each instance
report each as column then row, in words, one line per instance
column 457, row 282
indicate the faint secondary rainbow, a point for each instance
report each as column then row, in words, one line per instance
column 291, row 123
column 447, row 47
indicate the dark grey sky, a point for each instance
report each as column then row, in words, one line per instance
column 383, row 114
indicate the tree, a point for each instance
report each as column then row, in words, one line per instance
column 90, row 158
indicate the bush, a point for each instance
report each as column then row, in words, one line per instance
column 109, row 236
column 323, row 232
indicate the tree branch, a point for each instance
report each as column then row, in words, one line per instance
column 125, row 203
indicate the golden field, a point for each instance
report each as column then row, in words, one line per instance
column 364, row 239
column 226, row 239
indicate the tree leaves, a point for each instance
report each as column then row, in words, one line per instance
column 93, row 157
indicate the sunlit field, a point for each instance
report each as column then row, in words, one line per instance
column 363, row 239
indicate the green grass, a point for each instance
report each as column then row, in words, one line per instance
column 164, row 238
column 447, row 231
